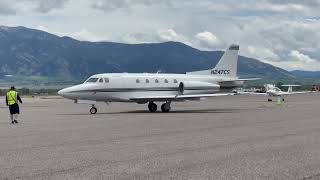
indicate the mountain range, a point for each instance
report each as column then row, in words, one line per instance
column 306, row 74
column 28, row 52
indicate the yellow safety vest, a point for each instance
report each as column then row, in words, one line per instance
column 12, row 97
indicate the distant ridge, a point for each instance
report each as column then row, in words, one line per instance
column 29, row 52
column 306, row 74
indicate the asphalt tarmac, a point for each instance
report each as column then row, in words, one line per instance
column 237, row 137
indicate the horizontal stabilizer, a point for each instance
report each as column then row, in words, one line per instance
column 233, row 80
column 290, row 85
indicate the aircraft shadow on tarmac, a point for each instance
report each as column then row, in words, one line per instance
column 204, row 111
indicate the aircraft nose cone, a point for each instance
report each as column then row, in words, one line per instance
column 68, row 92
column 61, row 92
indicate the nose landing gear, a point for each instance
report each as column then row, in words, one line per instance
column 93, row 110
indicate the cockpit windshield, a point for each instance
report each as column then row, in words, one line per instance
column 92, row 80
column 277, row 89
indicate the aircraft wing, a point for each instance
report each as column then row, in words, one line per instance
column 297, row 92
column 251, row 93
column 178, row 97
column 279, row 94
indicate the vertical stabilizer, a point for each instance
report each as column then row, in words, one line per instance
column 227, row 65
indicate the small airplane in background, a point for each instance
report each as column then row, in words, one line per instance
column 143, row 88
column 273, row 91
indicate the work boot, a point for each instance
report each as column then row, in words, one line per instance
column 15, row 121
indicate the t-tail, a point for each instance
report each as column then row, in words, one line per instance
column 227, row 65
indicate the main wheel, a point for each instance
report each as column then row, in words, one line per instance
column 269, row 100
column 93, row 110
column 165, row 107
column 152, row 107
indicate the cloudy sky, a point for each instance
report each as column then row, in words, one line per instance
column 285, row 33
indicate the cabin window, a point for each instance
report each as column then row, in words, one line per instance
column 147, row 81
column 137, row 81
column 92, row 80
column 166, row 81
column 106, row 80
column 175, row 81
column 101, row 80
column 156, row 81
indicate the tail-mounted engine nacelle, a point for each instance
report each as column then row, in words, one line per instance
column 195, row 87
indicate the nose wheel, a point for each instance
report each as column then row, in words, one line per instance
column 93, row 110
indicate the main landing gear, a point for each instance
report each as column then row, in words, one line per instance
column 166, row 107
column 152, row 107
column 93, row 110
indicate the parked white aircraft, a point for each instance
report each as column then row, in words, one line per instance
column 145, row 88
column 273, row 91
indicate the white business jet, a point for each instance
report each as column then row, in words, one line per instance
column 273, row 91
column 143, row 88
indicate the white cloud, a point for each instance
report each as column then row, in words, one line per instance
column 203, row 40
column 282, row 8
column 11, row 7
column 289, row 7
column 263, row 53
column 299, row 57
column 42, row 28
column 85, row 35
column 6, row 8
column 113, row 5
column 110, row 5
column 267, row 29
column 207, row 40
column 299, row 61
column 162, row 35
column 82, row 35
column 45, row 6
column 168, row 35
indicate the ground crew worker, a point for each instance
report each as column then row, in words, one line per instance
column 12, row 99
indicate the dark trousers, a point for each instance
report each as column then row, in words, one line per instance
column 14, row 109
